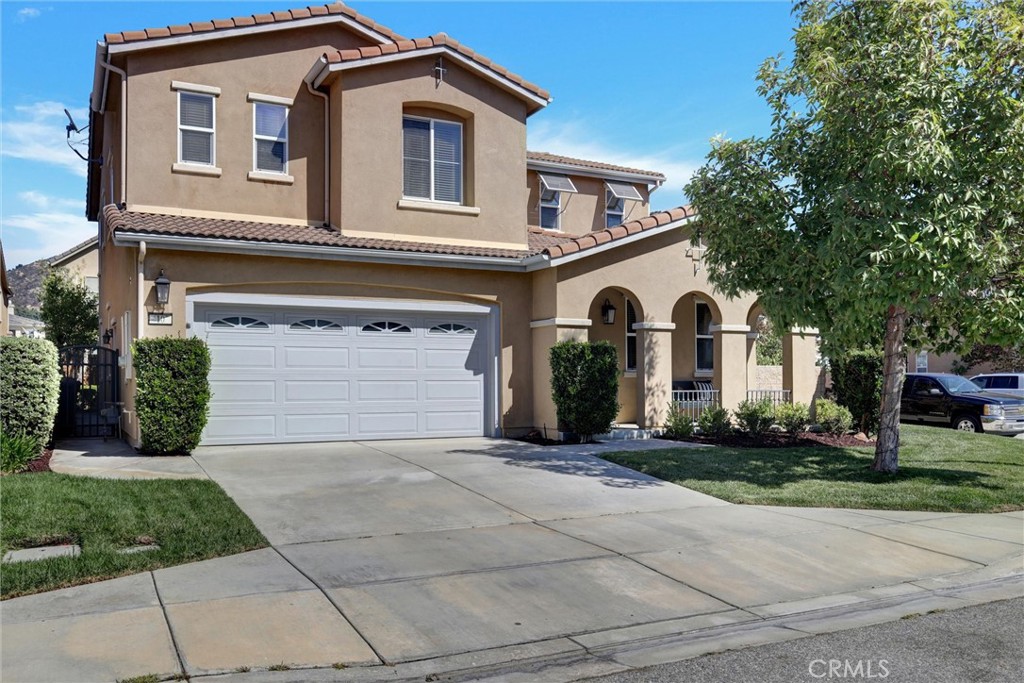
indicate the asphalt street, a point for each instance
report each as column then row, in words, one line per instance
column 974, row 644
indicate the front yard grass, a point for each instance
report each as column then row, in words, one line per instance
column 189, row 519
column 941, row 470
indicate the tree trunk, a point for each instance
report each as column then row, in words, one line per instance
column 887, row 448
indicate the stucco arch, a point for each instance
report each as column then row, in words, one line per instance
column 616, row 333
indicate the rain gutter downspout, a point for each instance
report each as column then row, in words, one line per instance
column 123, row 116
column 327, row 151
column 141, row 294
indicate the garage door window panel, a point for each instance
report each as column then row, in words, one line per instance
column 448, row 329
column 386, row 327
column 239, row 322
column 315, row 325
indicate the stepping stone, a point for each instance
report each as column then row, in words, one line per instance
column 137, row 549
column 42, row 553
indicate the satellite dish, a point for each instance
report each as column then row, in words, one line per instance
column 71, row 127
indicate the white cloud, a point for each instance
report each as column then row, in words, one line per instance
column 27, row 13
column 37, row 132
column 43, row 234
column 574, row 139
column 42, row 201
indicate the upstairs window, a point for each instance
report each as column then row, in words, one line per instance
column 552, row 187
column 196, row 128
column 615, row 210
column 270, row 137
column 432, row 160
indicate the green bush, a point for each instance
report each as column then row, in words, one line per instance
column 857, row 382
column 678, row 423
column 29, row 387
column 17, row 451
column 756, row 417
column 833, row 418
column 585, row 386
column 792, row 417
column 715, row 421
column 172, row 393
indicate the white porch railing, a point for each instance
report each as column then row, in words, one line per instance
column 693, row 402
column 776, row 396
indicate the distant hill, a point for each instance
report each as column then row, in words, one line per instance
column 27, row 284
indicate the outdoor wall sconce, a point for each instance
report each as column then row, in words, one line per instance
column 163, row 288
column 608, row 312
column 108, row 334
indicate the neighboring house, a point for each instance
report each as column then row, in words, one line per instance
column 5, row 294
column 20, row 326
column 352, row 222
column 929, row 361
column 82, row 262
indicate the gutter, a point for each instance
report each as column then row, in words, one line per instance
column 305, row 251
column 140, row 287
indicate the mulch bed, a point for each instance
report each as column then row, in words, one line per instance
column 781, row 440
column 42, row 463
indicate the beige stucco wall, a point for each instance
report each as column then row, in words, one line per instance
column 118, row 294
column 372, row 101
column 584, row 211
column 267, row 63
column 943, row 362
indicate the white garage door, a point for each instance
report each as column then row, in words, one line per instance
column 307, row 374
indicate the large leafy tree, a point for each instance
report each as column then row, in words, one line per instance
column 69, row 310
column 888, row 200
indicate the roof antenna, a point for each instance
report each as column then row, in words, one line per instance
column 72, row 127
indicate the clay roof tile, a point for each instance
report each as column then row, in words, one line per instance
column 180, row 29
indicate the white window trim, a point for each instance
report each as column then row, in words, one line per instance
column 256, row 171
column 205, row 92
column 556, row 205
column 607, row 213
column 462, row 162
column 630, row 334
column 697, row 370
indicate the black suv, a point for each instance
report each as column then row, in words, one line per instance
column 932, row 398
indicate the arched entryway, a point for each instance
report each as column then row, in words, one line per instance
column 613, row 312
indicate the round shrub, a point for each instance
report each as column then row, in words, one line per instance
column 756, row 417
column 833, row 418
column 585, row 386
column 715, row 422
column 172, row 393
column 678, row 423
column 29, row 387
column 792, row 417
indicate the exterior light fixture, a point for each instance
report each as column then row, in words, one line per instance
column 108, row 334
column 163, row 288
column 608, row 313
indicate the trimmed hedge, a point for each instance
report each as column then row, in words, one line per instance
column 792, row 417
column 832, row 417
column 29, row 387
column 172, row 393
column 756, row 417
column 585, row 386
column 857, row 382
column 715, row 421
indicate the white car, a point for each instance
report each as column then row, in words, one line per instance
column 1011, row 383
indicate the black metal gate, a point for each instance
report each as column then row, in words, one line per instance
column 89, row 392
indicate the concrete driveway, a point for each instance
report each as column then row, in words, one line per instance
column 457, row 554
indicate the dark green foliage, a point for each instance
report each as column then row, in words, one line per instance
column 173, row 392
column 69, row 310
column 769, row 343
column 17, row 451
column 715, row 421
column 857, row 382
column 832, row 417
column 792, row 417
column 29, row 386
column 756, row 417
column 678, row 423
column 585, row 386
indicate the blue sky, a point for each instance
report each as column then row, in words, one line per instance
column 644, row 84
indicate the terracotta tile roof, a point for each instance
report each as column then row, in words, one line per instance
column 540, row 241
column 128, row 222
column 81, row 246
column 596, row 165
column 436, row 40
column 246, row 21
column 593, row 239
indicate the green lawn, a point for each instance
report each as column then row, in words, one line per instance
column 189, row 519
column 940, row 470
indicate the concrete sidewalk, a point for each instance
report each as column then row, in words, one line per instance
column 115, row 459
column 480, row 558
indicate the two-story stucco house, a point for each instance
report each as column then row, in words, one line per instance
column 353, row 223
